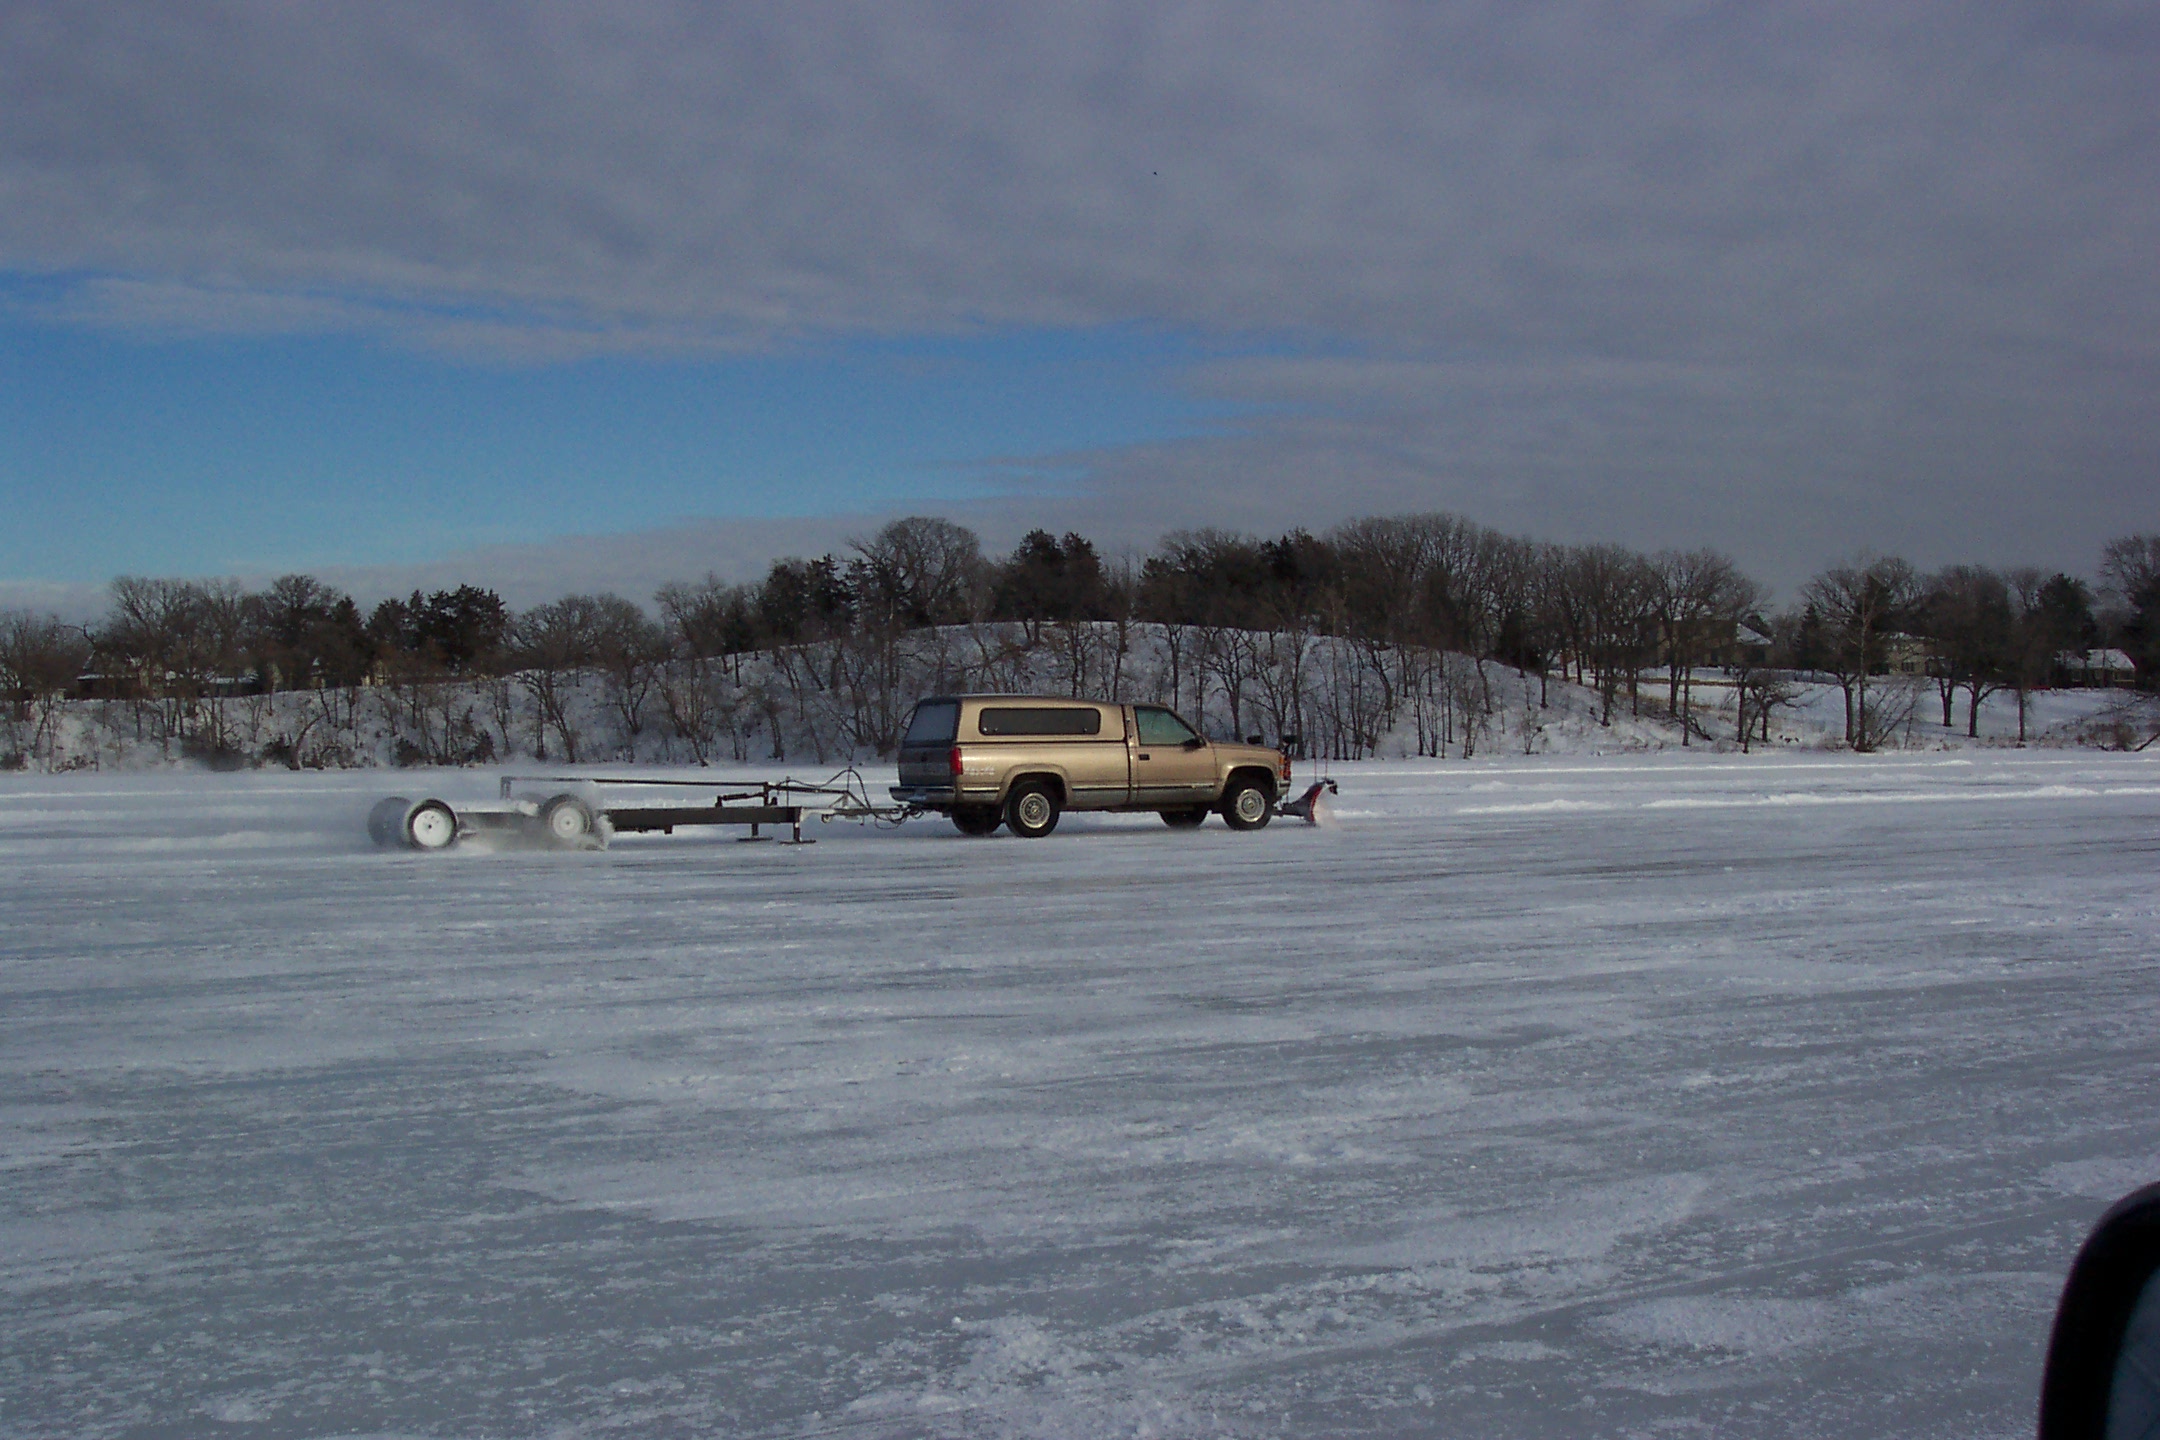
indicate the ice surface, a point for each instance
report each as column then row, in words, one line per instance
column 1724, row 1095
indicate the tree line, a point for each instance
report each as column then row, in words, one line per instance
column 1396, row 625
column 1971, row 630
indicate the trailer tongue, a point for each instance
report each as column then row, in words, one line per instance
column 581, row 819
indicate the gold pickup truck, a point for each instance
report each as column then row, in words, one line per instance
column 1021, row 760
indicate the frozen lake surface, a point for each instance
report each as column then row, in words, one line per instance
column 1676, row 1095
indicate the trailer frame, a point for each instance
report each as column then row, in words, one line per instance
column 577, row 817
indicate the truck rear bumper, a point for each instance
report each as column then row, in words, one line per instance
column 927, row 797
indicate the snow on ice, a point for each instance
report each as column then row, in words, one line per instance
column 1532, row 1097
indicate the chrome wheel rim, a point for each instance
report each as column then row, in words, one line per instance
column 568, row 823
column 1251, row 805
column 1035, row 810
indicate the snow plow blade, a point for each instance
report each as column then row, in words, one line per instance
column 1307, row 806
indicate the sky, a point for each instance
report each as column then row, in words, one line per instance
column 559, row 297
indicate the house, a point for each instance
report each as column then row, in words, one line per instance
column 2094, row 669
column 1750, row 645
column 1906, row 654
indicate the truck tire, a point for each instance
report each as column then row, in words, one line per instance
column 1031, row 810
column 1190, row 817
column 1247, row 805
column 976, row 819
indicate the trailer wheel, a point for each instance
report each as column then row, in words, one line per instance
column 567, row 821
column 1031, row 811
column 431, row 825
column 976, row 819
column 386, row 822
column 1192, row 817
column 1247, row 805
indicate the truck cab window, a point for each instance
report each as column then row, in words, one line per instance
column 1158, row 726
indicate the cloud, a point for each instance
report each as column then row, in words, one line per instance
column 184, row 310
column 75, row 603
column 1676, row 180
column 634, row 564
column 1795, row 279
column 1784, row 467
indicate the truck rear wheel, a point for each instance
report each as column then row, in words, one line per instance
column 1031, row 811
column 1247, row 805
column 976, row 819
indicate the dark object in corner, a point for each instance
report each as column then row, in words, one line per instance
column 2102, row 1380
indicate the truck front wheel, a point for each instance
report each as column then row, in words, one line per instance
column 1246, row 805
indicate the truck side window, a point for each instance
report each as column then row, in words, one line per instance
column 1159, row 727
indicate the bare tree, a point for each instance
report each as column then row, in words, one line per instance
column 41, row 657
column 1699, row 597
column 709, row 628
column 709, row 620
column 2037, row 632
column 1489, row 598
column 1967, row 614
column 1387, row 566
column 553, row 645
column 1612, row 600
column 1555, row 620
column 1859, row 605
column 2130, row 566
column 1121, row 589
column 919, row 571
column 167, row 645
column 628, row 649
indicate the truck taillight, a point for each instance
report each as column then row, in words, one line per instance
column 954, row 759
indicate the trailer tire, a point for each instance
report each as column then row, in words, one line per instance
column 1191, row 817
column 386, row 822
column 1247, row 805
column 431, row 825
column 568, row 823
column 1031, row 811
column 976, row 819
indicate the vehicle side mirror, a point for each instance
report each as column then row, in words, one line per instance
column 1252, row 739
column 1196, row 743
column 2103, row 1365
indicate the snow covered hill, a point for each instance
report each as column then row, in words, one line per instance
column 835, row 701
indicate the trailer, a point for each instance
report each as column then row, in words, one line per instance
column 583, row 812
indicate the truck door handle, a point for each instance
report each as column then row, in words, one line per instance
column 1143, row 755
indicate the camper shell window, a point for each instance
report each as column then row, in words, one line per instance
column 1062, row 720
column 935, row 722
